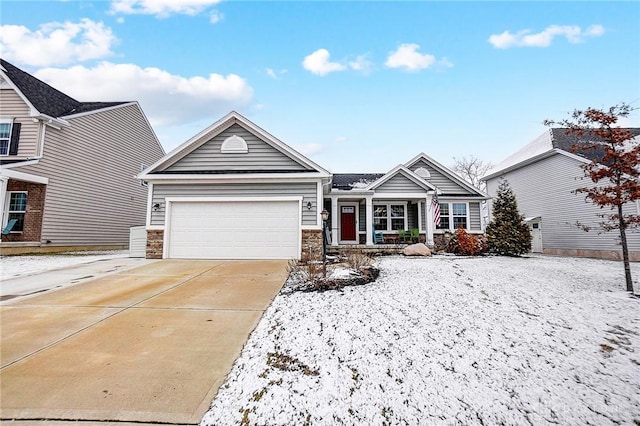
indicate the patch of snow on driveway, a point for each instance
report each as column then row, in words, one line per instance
column 17, row 266
column 538, row 340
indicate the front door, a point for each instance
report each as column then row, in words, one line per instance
column 347, row 223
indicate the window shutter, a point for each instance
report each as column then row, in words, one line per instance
column 15, row 137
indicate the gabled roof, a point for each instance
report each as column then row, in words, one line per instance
column 44, row 98
column 553, row 141
column 402, row 170
column 445, row 171
column 218, row 127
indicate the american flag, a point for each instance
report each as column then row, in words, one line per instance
column 436, row 209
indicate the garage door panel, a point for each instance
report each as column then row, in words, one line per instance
column 234, row 230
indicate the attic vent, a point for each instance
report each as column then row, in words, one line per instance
column 234, row 145
column 423, row 173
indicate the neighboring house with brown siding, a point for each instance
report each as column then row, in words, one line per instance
column 234, row 191
column 68, row 168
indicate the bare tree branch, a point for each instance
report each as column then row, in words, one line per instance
column 471, row 169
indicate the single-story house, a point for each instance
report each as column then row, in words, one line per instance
column 543, row 175
column 235, row 191
column 68, row 168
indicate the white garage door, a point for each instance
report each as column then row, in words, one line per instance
column 234, row 230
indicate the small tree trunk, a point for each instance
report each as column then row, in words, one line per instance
column 625, row 250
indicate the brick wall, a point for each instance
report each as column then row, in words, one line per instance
column 155, row 239
column 35, row 209
column 311, row 243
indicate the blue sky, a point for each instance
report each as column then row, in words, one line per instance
column 356, row 86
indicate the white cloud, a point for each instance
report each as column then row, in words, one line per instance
column 271, row 73
column 524, row 38
column 56, row 43
column 275, row 74
column 318, row 63
column 361, row 63
column 215, row 17
column 161, row 8
column 407, row 56
column 166, row 98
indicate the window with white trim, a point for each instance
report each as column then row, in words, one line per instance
column 16, row 209
column 452, row 215
column 389, row 217
column 5, row 135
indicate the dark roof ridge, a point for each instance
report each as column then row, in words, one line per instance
column 47, row 99
column 561, row 139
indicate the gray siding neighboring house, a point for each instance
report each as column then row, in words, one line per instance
column 77, row 164
column 543, row 176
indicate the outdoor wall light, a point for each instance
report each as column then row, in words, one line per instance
column 325, row 215
column 156, row 207
column 309, row 205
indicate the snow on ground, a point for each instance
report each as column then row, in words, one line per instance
column 15, row 266
column 446, row 340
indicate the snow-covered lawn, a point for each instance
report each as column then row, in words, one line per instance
column 446, row 340
column 15, row 266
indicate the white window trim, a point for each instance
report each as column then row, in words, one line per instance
column 6, row 120
column 389, row 204
column 450, row 216
column 5, row 220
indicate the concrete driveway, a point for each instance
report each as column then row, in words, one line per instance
column 150, row 344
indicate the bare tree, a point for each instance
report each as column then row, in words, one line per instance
column 472, row 169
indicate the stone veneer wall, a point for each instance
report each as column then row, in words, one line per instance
column 155, row 240
column 311, row 243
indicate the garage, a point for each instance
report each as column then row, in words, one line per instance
column 233, row 229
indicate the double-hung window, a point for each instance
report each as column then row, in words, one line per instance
column 17, row 209
column 459, row 215
column 5, row 136
column 389, row 217
column 453, row 215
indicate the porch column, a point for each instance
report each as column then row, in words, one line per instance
column 420, row 228
column 369, row 220
column 428, row 214
column 334, row 221
column 3, row 193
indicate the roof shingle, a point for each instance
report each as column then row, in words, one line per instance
column 46, row 99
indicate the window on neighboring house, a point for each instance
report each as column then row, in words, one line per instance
column 389, row 217
column 5, row 136
column 16, row 210
column 452, row 215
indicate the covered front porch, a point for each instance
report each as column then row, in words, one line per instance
column 364, row 220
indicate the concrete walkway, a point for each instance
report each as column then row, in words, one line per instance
column 151, row 344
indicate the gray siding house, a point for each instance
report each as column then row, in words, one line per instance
column 235, row 191
column 543, row 175
column 68, row 168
